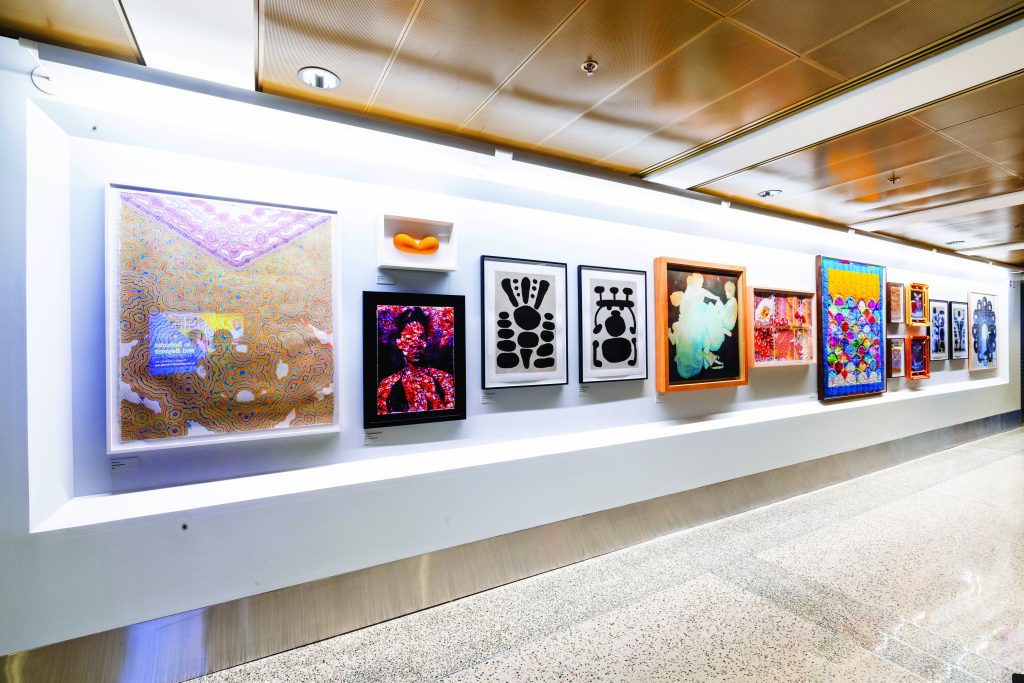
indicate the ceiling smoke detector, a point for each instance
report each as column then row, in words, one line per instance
column 319, row 78
column 589, row 67
column 765, row 194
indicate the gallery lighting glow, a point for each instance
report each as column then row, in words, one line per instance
column 318, row 77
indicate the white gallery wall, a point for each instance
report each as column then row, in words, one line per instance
column 84, row 548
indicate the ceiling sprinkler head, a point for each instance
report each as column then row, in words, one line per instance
column 589, row 67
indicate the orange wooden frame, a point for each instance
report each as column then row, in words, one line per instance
column 911, row 320
column 661, row 302
column 812, row 317
column 910, row 374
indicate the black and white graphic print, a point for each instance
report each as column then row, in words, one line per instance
column 939, row 329
column 613, row 329
column 523, row 318
column 614, row 324
column 958, row 329
column 525, row 323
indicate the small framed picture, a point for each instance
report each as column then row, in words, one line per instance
column 958, row 330
column 981, row 329
column 781, row 328
column 613, row 324
column 700, row 318
column 897, row 352
column 917, row 304
column 895, row 298
column 524, row 323
column 918, row 361
column 414, row 358
column 939, row 330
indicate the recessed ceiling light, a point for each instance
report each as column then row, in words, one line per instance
column 320, row 78
column 953, row 243
column 764, row 194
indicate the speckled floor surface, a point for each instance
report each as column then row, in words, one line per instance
column 913, row 573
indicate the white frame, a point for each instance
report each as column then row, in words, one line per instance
column 445, row 259
column 490, row 379
column 972, row 364
column 113, row 373
column 932, row 308
column 638, row 280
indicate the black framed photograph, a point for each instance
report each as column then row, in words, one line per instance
column 613, row 324
column 524, row 322
column 958, row 330
column 939, row 329
column 414, row 358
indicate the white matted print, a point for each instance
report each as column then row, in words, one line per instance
column 613, row 324
column 524, row 322
column 981, row 328
column 939, row 329
column 958, row 330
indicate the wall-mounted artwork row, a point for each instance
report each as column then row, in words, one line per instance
column 221, row 320
column 613, row 324
column 851, row 331
column 939, row 330
column 414, row 358
column 982, row 327
column 524, row 322
column 700, row 325
column 782, row 328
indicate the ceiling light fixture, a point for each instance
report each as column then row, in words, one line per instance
column 319, row 78
column 765, row 194
column 953, row 243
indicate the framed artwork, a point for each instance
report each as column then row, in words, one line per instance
column 414, row 358
column 958, row 330
column 700, row 318
column 897, row 353
column 524, row 323
column 918, row 357
column 781, row 328
column 982, row 326
column 221, row 319
column 613, row 324
column 894, row 299
column 917, row 304
column 851, row 331
column 939, row 330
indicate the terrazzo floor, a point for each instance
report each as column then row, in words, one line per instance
column 913, row 573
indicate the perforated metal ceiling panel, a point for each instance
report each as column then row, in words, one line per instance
column 99, row 26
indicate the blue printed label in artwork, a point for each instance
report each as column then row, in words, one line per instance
column 177, row 341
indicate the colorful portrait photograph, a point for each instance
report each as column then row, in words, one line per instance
column 612, row 324
column 701, row 325
column 524, row 323
column 897, row 353
column 221, row 317
column 895, row 298
column 958, row 330
column 782, row 328
column 939, row 329
column 982, row 328
column 918, row 357
column 414, row 367
column 851, row 330
column 917, row 304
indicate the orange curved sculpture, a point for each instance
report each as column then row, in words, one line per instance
column 411, row 245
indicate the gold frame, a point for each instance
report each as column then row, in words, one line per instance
column 662, row 265
column 908, row 316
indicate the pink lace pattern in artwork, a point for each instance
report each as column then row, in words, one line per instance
column 235, row 233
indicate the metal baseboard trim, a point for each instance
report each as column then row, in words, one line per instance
column 183, row 646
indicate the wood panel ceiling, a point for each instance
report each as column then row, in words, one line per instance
column 674, row 75
column 967, row 147
column 98, row 26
